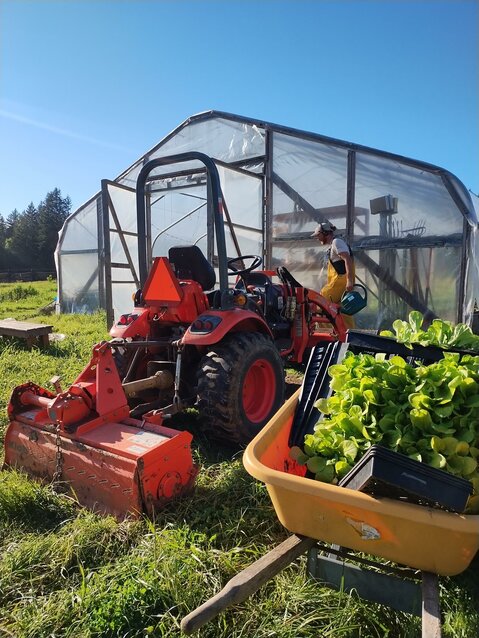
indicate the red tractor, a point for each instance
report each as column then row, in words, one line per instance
column 186, row 342
column 222, row 348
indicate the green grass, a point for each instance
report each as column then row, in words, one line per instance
column 65, row 572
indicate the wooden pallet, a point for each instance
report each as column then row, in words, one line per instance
column 33, row 333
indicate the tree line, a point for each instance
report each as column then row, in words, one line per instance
column 28, row 239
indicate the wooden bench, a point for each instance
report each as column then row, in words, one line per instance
column 32, row 332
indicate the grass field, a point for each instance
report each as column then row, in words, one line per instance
column 66, row 572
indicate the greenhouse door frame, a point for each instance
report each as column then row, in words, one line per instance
column 106, row 264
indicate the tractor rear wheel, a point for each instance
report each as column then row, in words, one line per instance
column 240, row 386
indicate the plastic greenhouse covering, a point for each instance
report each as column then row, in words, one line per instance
column 413, row 227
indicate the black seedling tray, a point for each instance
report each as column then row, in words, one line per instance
column 382, row 472
column 372, row 343
column 315, row 385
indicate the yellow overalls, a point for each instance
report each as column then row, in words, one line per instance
column 334, row 289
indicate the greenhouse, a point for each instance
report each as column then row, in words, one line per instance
column 412, row 226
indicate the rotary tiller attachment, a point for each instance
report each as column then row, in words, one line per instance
column 84, row 437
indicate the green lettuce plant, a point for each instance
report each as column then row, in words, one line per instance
column 427, row 412
column 440, row 333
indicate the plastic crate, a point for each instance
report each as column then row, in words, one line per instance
column 382, row 472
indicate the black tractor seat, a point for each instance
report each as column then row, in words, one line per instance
column 188, row 262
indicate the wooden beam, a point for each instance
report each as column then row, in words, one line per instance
column 244, row 584
column 431, row 612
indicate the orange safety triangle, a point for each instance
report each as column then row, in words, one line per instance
column 162, row 286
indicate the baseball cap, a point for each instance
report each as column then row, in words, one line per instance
column 323, row 227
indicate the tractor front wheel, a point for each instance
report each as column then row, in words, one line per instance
column 240, row 386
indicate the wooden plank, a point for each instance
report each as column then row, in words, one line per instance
column 369, row 585
column 12, row 327
column 403, row 595
column 431, row 611
column 244, row 584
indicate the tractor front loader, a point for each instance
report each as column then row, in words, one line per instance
column 186, row 342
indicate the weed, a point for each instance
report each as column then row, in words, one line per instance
column 18, row 292
column 30, row 506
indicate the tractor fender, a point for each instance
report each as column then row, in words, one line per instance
column 223, row 322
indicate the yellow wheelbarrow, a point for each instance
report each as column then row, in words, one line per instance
column 429, row 540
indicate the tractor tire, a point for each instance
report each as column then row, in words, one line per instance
column 240, row 386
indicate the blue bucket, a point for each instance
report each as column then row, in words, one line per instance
column 353, row 300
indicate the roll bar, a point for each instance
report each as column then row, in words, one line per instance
column 215, row 201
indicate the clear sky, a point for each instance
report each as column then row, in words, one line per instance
column 88, row 86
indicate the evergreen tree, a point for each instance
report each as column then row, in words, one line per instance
column 12, row 219
column 28, row 239
column 10, row 223
column 23, row 243
column 3, row 237
column 52, row 213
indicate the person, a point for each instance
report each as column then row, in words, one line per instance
column 341, row 272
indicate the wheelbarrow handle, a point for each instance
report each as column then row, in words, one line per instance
column 244, row 584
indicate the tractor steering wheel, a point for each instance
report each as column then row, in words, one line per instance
column 257, row 261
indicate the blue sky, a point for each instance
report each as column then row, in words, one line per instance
column 88, row 86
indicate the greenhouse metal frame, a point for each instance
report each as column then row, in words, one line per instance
column 412, row 225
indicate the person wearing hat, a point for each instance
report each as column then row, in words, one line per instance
column 340, row 275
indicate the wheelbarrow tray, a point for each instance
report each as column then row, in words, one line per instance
column 420, row 537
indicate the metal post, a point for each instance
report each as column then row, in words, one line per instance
column 101, row 251
column 268, row 200
column 350, row 196
column 107, row 253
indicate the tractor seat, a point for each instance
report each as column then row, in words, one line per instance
column 188, row 262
